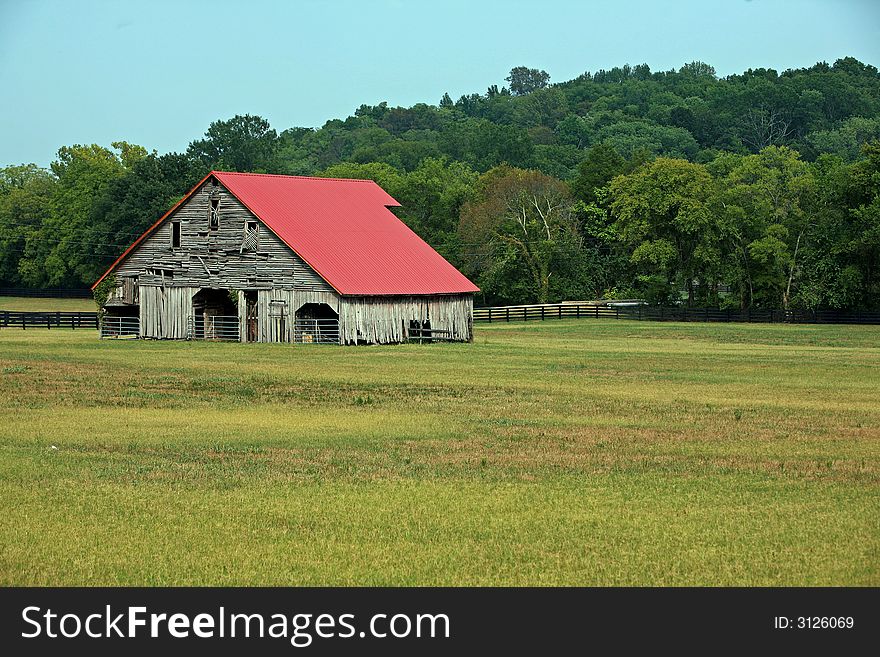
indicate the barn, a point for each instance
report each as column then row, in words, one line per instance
column 269, row 258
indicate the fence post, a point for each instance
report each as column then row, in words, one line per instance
column 490, row 315
column 616, row 312
column 525, row 314
column 507, row 314
column 560, row 311
column 542, row 313
column 597, row 311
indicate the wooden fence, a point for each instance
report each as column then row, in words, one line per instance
column 89, row 320
column 48, row 320
column 674, row 314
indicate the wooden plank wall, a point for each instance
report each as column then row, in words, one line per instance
column 275, row 324
column 164, row 311
column 310, row 296
column 383, row 320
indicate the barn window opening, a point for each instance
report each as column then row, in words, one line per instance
column 175, row 234
column 214, row 222
column 251, row 236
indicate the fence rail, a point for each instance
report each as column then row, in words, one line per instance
column 214, row 327
column 635, row 311
column 120, row 327
column 48, row 320
column 321, row 331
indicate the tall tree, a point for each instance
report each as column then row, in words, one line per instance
column 524, row 80
column 596, row 170
column 26, row 193
column 661, row 212
column 520, row 223
column 243, row 143
column 767, row 201
column 60, row 254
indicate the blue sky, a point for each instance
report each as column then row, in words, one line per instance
column 158, row 72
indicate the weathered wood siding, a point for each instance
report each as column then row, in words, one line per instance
column 163, row 279
column 275, row 320
column 213, row 258
column 165, row 311
column 310, row 296
column 382, row 320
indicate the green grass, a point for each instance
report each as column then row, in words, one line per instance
column 48, row 304
column 564, row 452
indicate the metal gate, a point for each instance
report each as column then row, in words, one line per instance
column 316, row 331
column 213, row 327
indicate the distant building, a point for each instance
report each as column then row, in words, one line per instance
column 265, row 258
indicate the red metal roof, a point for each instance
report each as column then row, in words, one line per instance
column 344, row 230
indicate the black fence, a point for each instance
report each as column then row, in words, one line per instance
column 53, row 293
column 674, row 314
column 48, row 320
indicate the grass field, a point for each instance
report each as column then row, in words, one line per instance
column 564, row 452
column 38, row 304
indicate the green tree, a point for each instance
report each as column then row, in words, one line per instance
column 242, row 143
column 432, row 196
column 601, row 164
column 522, row 225
column 661, row 212
column 847, row 140
column 524, row 80
column 766, row 201
column 60, row 253
column 26, row 193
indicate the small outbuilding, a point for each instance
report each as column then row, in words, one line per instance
column 268, row 258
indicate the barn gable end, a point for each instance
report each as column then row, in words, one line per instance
column 209, row 258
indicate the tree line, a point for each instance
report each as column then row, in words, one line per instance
column 753, row 190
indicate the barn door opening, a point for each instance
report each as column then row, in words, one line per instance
column 215, row 316
column 316, row 322
column 250, row 300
